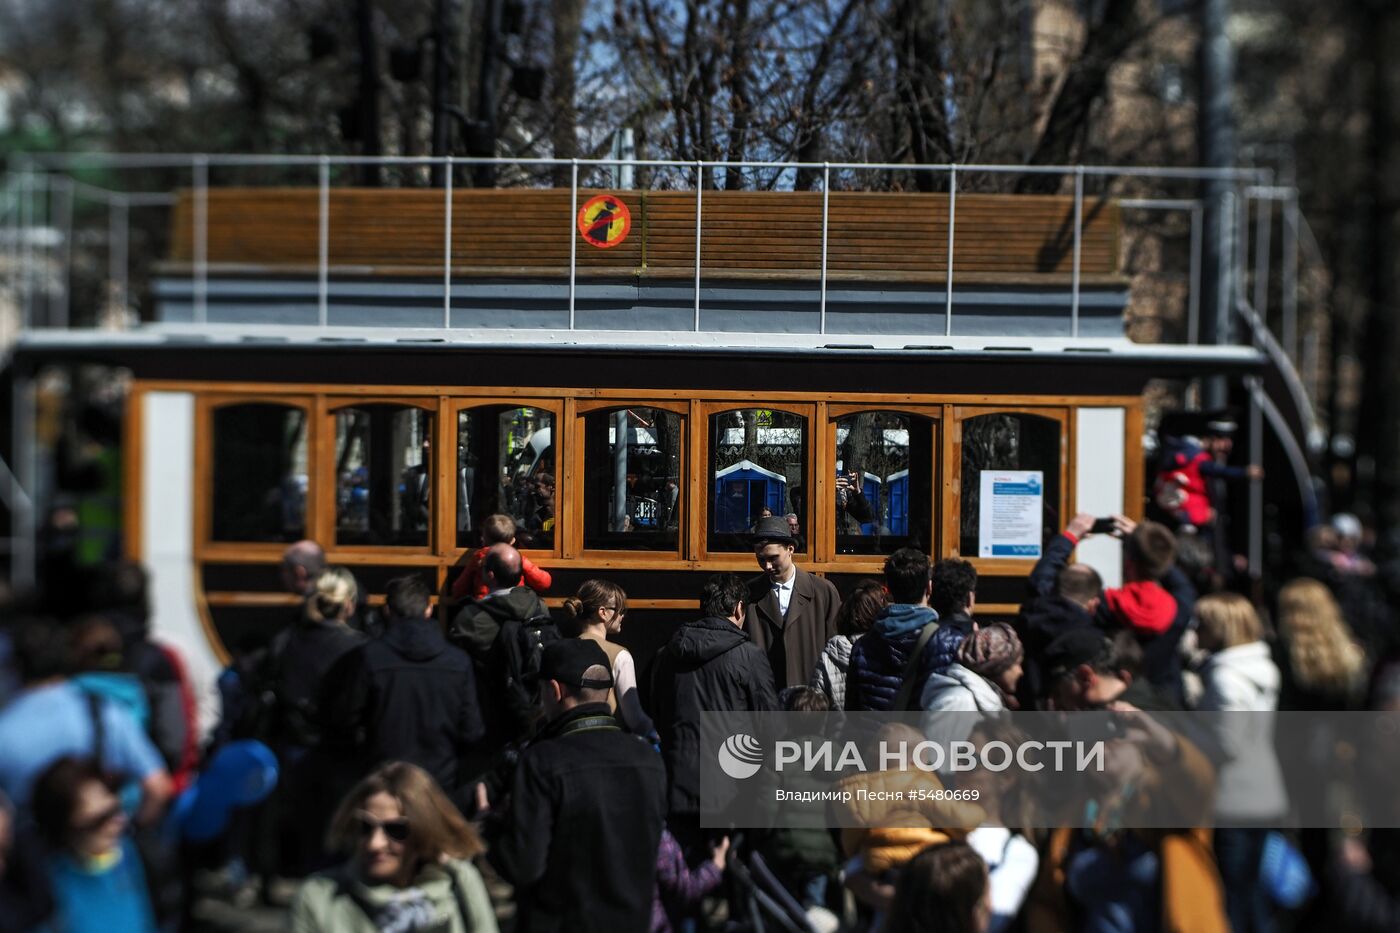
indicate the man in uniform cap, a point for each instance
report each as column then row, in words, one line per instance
column 791, row 614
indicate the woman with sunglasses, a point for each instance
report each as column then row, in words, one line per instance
column 95, row 874
column 410, row 863
column 598, row 610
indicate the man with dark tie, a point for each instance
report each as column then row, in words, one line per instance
column 791, row 614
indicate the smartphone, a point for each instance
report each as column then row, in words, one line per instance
column 1102, row 526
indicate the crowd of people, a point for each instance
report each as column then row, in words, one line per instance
column 475, row 760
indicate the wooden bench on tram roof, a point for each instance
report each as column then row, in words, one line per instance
column 524, row 232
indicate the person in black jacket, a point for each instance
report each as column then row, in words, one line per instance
column 1078, row 590
column 709, row 665
column 313, row 773
column 408, row 696
column 586, row 808
column 503, row 633
column 1156, row 602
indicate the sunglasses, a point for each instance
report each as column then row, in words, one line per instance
column 99, row 820
column 396, row 830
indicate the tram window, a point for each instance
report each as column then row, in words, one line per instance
column 505, row 463
column 383, row 471
column 884, row 478
column 1008, row 441
column 259, row 473
column 632, row 480
column 758, row 467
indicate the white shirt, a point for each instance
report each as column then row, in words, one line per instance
column 784, row 591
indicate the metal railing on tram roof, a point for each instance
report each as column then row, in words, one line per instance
column 43, row 185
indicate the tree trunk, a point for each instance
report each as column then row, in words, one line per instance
column 1378, row 434
column 1083, row 87
column 568, row 20
column 740, row 106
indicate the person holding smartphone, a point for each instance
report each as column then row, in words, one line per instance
column 1156, row 599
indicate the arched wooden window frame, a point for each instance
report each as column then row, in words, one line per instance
column 452, row 409
column 826, row 551
column 327, row 407
column 952, row 474
column 813, row 479
column 206, row 548
column 574, row 526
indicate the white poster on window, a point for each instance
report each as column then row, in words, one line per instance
column 1012, row 514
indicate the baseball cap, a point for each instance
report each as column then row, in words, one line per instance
column 566, row 661
column 1082, row 645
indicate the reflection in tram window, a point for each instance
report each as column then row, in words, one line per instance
column 259, row 473
column 505, row 463
column 758, row 462
column 1008, row 441
column 383, row 470
column 883, row 482
column 632, row 480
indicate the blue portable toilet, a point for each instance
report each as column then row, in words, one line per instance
column 897, row 488
column 873, row 489
column 741, row 492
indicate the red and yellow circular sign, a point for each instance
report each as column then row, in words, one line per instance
column 604, row 221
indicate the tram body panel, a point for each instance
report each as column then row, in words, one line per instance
column 213, row 597
column 167, row 498
column 1101, row 441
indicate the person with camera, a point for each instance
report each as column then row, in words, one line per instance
column 1156, row 599
column 852, row 508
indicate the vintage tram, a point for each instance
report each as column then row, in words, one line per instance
column 380, row 369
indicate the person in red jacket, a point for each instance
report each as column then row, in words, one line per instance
column 1156, row 599
column 471, row 583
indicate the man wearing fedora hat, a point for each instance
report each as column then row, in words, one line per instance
column 791, row 614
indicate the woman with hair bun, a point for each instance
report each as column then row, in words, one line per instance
column 598, row 610
column 313, row 775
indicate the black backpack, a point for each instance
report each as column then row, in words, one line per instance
column 535, row 634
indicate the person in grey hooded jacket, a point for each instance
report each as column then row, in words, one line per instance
column 983, row 679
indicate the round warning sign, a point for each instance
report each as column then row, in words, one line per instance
column 604, row 221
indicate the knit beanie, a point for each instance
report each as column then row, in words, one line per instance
column 991, row 650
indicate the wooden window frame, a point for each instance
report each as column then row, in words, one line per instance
column 205, row 547
column 575, row 526
column 874, row 562
column 327, row 407
column 813, row 479
column 952, row 473
column 453, row 406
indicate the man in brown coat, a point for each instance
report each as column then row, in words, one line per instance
column 791, row 614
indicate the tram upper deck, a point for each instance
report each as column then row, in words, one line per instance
column 845, row 263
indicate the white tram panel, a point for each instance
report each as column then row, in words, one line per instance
column 1100, row 452
column 167, row 539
